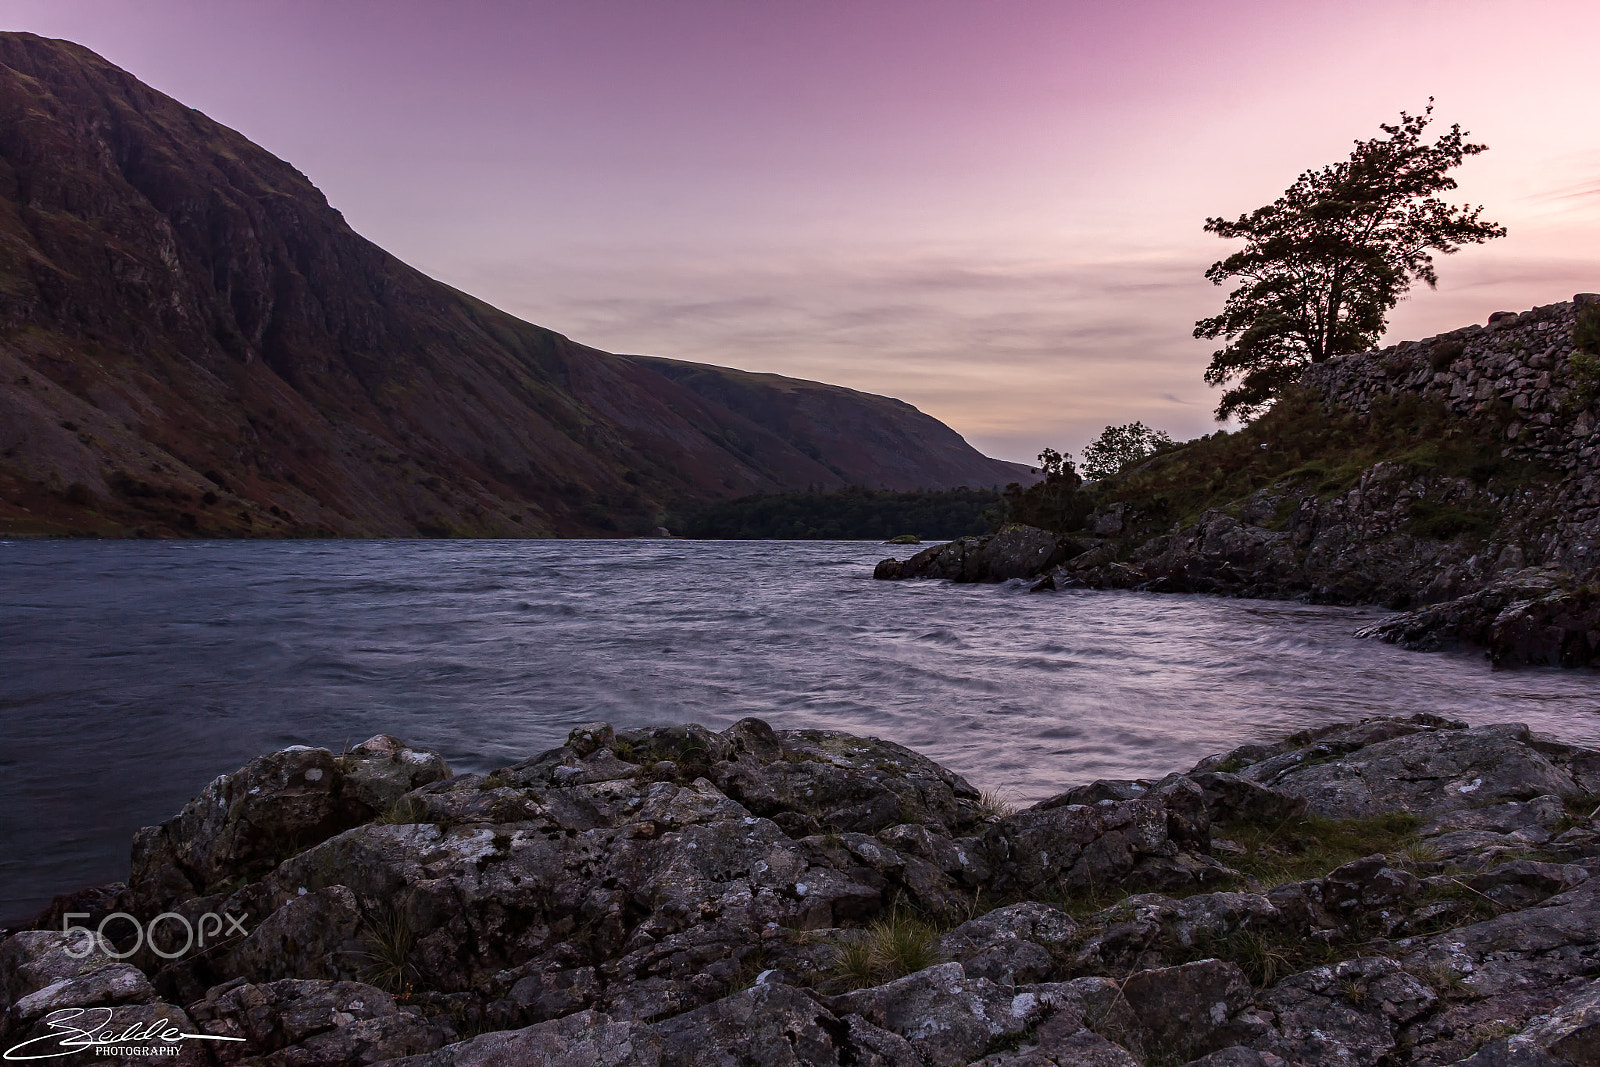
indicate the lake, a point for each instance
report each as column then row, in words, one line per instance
column 133, row 672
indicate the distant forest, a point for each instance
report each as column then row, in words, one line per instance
column 848, row 514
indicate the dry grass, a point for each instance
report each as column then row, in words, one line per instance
column 894, row 946
column 998, row 802
column 390, row 941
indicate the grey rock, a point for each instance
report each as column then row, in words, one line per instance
column 30, row 960
column 950, row 1018
column 109, row 984
column 584, row 1039
column 1056, row 1047
column 245, row 823
column 773, row 1024
column 1524, row 882
column 1015, row 552
column 1237, row 1056
column 1013, row 945
column 1572, row 1031
column 1367, row 885
column 1344, row 1014
column 1232, row 798
column 1545, row 811
column 1150, row 931
column 1426, row 773
column 317, row 935
column 303, row 1023
column 1194, row 1008
column 1127, row 842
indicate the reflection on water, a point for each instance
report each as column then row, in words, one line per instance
column 131, row 673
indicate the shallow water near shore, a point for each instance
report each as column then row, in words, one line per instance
column 131, row 673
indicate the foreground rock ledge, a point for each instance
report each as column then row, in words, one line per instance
column 676, row 896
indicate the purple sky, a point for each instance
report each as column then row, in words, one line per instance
column 991, row 209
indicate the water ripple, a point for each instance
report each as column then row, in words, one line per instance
column 131, row 673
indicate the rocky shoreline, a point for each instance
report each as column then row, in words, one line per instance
column 1394, row 891
column 1502, row 552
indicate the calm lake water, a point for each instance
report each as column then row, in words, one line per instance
column 131, row 673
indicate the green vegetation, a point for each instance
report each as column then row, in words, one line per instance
column 390, row 941
column 1118, row 447
column 1309, row 846
column 1584, row 365
column 896, row 945
column 997, row 803
column 1324, row 263
column 1444, row 522
column 1586, row 331
column 1053, row 504
column 403, row 812
column 1306, row 450
column 849, row 514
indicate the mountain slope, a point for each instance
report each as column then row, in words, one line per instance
column 192, row 340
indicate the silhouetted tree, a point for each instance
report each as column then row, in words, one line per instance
column 1051, row 504
column 1118, row 446
column 1324, row 263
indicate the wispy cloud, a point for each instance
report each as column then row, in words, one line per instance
column 1016, row 354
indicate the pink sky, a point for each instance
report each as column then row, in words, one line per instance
column 989, row 209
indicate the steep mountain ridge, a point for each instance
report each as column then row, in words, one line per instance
column 193, row 341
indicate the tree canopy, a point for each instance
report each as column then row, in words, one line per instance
column 1324, row 264
column 1118, row 446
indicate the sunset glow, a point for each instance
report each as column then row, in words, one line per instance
column 990, row 210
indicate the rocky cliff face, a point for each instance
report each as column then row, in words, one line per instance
column 193, row 341
column 1455, row 476
column 1386, row 893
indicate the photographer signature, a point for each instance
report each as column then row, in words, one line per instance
column 75, row 1029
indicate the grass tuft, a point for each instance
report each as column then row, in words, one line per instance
column 1310, row 846
column 894, row 946
column 404, row 811
column 390, row 942
column 997, row 802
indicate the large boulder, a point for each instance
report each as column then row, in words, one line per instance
column 1016, row 552
column 54, row 981
column 583, row 1039
column 1014, row 945
column 304, row 1023
column 1349, row 1013
column 1193, row 1009
column 1530, row 616
column 1113, row 842
column 952, row 1019
column 630, row 873
column 778, row 1025
column 1414, row 767
column 243, row 824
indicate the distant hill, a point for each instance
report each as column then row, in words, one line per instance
column 193, row 342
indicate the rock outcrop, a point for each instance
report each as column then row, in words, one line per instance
column 1498, row 548
column 674, row 896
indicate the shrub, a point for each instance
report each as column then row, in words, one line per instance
column 1586, row 330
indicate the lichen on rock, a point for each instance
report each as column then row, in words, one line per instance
column 676, row 895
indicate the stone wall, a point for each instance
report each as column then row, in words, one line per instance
column 1520, row 362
